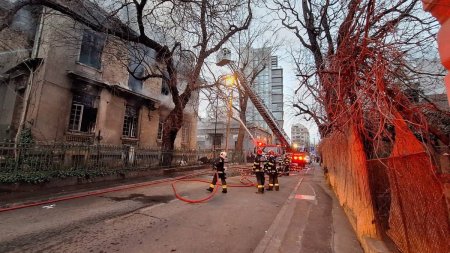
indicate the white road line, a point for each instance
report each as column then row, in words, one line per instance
column 271, row 242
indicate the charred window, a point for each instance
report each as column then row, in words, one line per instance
column 130, row 122
column 83, row 114
column 91, row 49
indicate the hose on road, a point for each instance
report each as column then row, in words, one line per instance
column 99, row 192
column 245, row 182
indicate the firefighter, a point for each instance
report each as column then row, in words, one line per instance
column 286, row 164
column 272, row 171
column 258, row 169
column 219, row 166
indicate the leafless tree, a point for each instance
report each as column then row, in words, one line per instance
column 182, row 33
column 357, row 60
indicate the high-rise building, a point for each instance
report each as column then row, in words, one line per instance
column 268, row 85
column 300, row 136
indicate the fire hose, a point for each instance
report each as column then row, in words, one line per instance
column 99, row 192
column 245, row 182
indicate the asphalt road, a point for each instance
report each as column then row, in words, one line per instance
column 304, row 216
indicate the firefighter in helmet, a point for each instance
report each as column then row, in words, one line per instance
column 272, row 171
column 286, row 164
column 219, row 166
column 258, row 169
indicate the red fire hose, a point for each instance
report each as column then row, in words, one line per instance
column 93, row 193
column 245, row 182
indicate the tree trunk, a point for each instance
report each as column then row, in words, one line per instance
column 172, row 125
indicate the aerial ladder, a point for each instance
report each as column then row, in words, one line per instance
column 224, row 58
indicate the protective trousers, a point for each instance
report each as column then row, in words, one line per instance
column 273, row 182
column 260, row 179
column 214, row 181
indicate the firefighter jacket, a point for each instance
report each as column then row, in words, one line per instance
column 258, row 164
column 271, row 165
column 286, row 161
column 219, row 165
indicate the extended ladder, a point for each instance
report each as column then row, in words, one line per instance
column 266, row 114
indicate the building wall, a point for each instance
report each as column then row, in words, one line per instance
column 300, row 135
column 61, row 74
column 206, row 130
column 7, row 102
column 269, row 87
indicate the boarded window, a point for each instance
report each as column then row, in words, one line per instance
column 83, row 114
column 91, row 49
column 130, row 122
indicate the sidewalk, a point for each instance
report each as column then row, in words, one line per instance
column 311, row 220
column 9, row 199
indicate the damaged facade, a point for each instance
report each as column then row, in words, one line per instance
column 68, row 83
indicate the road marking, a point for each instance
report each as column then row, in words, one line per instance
column 271, row 242
column 305, row 197
column 49, row 206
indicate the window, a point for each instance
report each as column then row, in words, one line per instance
column 165, row 87
column 185, row 133
column 91, row 49
column 141, row 59
column 217, row 140
column 160, row 131
column 130, row 122
column 137, row 71
column 274, row 61
column 83, row 113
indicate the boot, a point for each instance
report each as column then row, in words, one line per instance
column 211, row 188
column 260, row 189
column 270, row 188
column 224, row 189
column 277, row 187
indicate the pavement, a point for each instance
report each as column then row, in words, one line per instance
column 304, row 216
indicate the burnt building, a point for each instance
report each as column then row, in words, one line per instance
column 67, row 83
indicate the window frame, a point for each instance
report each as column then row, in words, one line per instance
column 80, row 117
column 130, row 123
column 101, row 45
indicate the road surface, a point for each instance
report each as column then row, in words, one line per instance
column 304, row 216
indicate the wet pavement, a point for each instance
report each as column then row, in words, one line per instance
column 302, row 217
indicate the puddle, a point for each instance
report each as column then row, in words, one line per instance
column 144, row 199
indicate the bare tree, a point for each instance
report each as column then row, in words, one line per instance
column 361, row 54
column 182, row 33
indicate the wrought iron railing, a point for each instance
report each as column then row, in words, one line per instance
column 61, row 156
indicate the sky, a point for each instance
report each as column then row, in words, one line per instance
column 290, row 82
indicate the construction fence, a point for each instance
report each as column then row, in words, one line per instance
column 404, row 193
